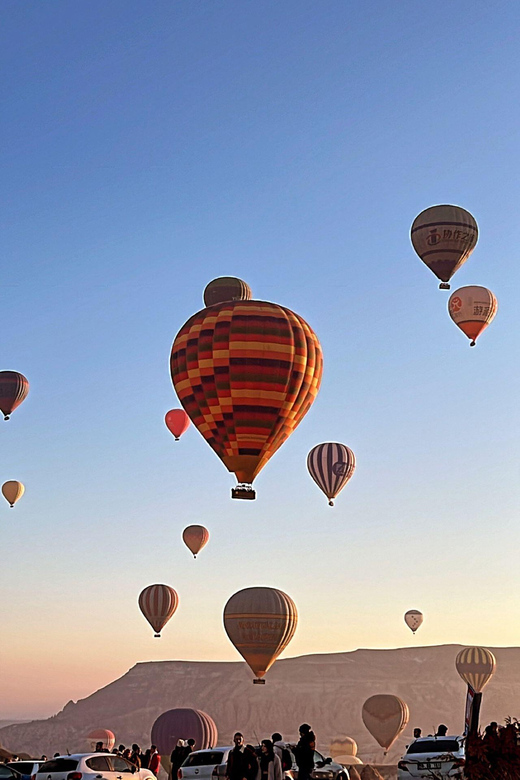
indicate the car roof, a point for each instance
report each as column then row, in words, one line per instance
column 212, row 750
column 435, row 736
column 79, row 755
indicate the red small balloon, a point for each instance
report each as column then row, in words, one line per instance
column 177, row 421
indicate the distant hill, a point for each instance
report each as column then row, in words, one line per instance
column 326, row 691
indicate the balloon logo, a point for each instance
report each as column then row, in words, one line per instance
column 455, row 303
column 158, row 603
column 476, row 666
column 260, row 622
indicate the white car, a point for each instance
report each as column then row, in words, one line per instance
column 205, row 764
column 26, row 767
column 433, row 757
column 90, row 766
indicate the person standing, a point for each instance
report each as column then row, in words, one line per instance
column 135, row 756
column 237, row 763
column 178, row 755
column 270, row 764
column 154, row 763
column 304, row 752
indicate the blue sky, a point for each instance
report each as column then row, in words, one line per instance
column 147, row 149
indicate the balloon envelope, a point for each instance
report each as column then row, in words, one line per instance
column 331, row 465
column 195, row 538
column 343, row 746
column 413, row 619
column 444, row 237
column 183, row 723
column 260, row 622
column 476, row 666
column 105, row 736
column 226, row 288
column 158, row 603
column 12, row 491
column 385, row 716
column 472, row 309
column 177, row 422
column 13, row 390
column 246, row 372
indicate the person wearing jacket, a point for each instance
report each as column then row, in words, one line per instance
column 154, row 763
column 304, row 752
column 270, row 764
column 238, row 760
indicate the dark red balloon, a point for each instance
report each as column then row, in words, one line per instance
column 13, row 390
column 177, row 421
column 182, row 723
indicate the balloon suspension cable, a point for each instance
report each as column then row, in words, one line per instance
column 473, row 344
column 331, row 503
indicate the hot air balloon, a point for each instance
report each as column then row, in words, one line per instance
column 158, row 603
column 12, row 491
column 260, row 622
column 476, row 666
column 444, row 237
column 385, row 716
column 331, row 465
column 472, row 309
column 13, row 390
column 183, row 723
column 226, row 288
column 246, row 372
column 177, row 422
column 344, row 750
column 195, row 538
column 413, row 619
column 105, row 736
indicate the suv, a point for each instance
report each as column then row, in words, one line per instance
column 433, row 757
column 27, row 768
column 90, row 766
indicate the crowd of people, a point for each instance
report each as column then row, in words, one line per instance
column 148, row 759
column 494, row 754
column 245, row 764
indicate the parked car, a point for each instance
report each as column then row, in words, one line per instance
column 27, row 768
column 90, row 766
column 433, row 757
column 211, row 765
column 7, row 773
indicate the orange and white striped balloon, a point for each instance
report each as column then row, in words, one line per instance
column 158, row 603
column 472, row 309
column 476, row 666
column 195, row 537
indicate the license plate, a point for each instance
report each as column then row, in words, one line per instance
column 431, row 765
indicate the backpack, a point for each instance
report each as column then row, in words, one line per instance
column 286, row 760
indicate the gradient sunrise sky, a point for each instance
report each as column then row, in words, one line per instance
column 146, row 149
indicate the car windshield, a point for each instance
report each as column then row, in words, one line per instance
column 434, row 746
column 59, row 765
column 205, row 758
column 6, row 772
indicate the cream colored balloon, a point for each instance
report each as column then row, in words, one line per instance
column 385, row 716
column 472, row 309
column 348, row 760
column 12, row 491
column 343, row 746
column 413, row 619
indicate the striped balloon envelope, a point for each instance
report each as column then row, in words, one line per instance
column 13, row 390
column 246, row 372
column 158, row 603
column 195, row 537
column 260, row 622
column 226, row 288
column 386, row 717
column 444, row 237
column 476, row 666
column 331, row 465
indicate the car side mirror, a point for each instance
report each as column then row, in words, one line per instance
column 328, row 760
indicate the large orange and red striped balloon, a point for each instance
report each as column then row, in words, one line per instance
column 177, row 422
column 260, row 622
column 246, row 372
column 472, row 309
column 158, row 603
column 444, row 237
column 195, row 537
column 13, row 390
column 476, row 666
